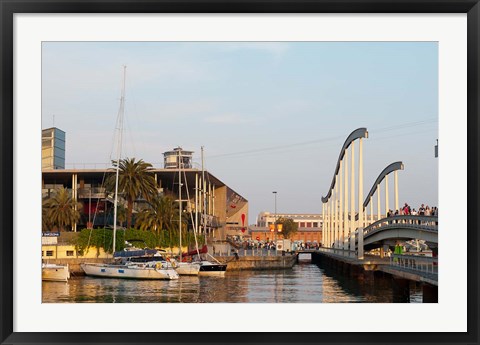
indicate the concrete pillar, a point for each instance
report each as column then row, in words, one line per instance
column 213, row 201
column 209, row 209
column 371, row 210
column 330, row 220
column 340, row 209
column 325, row 227
column 346, row 227
column 430, row 293
column 387, row 207
column 353, row 223
column 395, row 180
column 360, row 200
column 323, row 220
column 379, row 211
column 401, row 290
column 335, row 212
column 74, row 197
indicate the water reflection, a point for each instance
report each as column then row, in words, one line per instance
column 305, row 283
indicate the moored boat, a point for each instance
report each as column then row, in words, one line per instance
column 148, row 270
column 208, row 268
column 134, row 264
column 188, row 268
column 53, row 272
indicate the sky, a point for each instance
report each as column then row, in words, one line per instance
column 272, row 116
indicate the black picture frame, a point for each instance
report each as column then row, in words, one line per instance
column 10, row 7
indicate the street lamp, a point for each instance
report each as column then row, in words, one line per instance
column 275, row 223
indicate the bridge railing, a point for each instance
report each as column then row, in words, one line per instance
column 418, row 263
column 339, row 251
column 254, row 252
column 416, row 222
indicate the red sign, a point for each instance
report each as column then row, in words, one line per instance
column 243, row 229
column 257, row 238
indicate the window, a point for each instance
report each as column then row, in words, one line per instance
column 49, row 253
column 315, row 224
column 69, row 252
column 302, row 224
column 309, row 224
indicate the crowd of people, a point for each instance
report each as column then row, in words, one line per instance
column 270, row 245
column 423, row 210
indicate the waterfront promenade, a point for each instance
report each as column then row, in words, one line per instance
column 402, row 268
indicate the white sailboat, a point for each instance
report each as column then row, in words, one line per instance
column 136, row 264
column 208, row 268
column 54, row 272
column 183, row 268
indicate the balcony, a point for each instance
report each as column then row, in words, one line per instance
column 211, row 221
column 93, row 193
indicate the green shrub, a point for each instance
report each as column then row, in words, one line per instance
column 103, row 238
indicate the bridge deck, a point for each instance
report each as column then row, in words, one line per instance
column 405, row 273
column 381, row 264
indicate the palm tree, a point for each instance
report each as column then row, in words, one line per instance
column 46, row 222
column 135, row 179
column 161, row 215
column 61, row 210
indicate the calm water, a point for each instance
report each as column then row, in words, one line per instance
column 304, row 283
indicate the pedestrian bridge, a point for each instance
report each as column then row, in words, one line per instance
column 388, row 231
column 353, row 223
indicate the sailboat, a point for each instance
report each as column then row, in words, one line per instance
column 134, row 263
column 55, row 273
column 183, row 268
column 208, row 268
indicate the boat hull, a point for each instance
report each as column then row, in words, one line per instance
column 128, row 272
column 187, row 269
column 215, row 270
column 55, row 273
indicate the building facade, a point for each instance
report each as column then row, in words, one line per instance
column 176, row 158
column 221, row 207
column 53, row 148
column 309, row 227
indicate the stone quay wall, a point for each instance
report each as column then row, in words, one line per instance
column 258, row 262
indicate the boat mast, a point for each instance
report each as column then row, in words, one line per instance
column 180, row 203
column 121, row 112
column 195, row 230
column 204, row 195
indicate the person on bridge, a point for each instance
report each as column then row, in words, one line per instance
column 421, row 210
column 428, row 211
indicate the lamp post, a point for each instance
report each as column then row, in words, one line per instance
column 275, row 222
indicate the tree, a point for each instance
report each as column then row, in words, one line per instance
column 161, row 215
column 135, row 179
column 289, row 227
column 60, row 210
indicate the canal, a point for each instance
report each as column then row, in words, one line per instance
column 304, row 283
